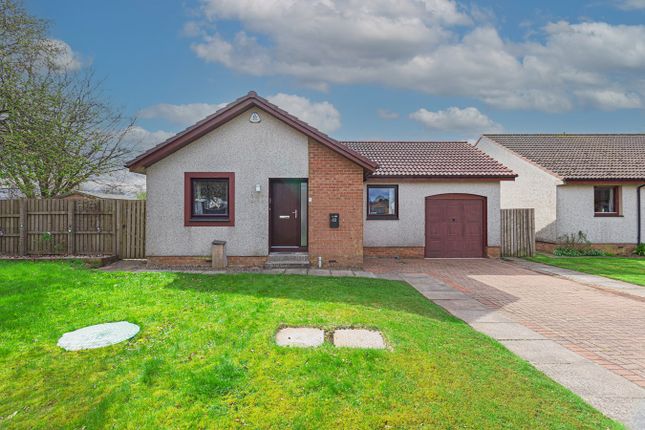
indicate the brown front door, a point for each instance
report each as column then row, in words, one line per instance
column 286, row 215
column 455, row 226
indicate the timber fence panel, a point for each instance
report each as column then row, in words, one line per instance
column 72, row 227
column 518, row 232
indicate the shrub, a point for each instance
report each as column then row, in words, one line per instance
column 640, row 249
column 566, row 252
column 576, row 245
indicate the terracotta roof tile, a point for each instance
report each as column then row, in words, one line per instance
column 581, row 156
column 430, row 159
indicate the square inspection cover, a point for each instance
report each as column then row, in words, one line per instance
column 301, row 337
column 358, row 338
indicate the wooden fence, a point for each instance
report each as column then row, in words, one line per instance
column 73, row 227
column 518, row 232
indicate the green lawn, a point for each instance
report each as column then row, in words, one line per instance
column 621, row 268
column 206, row 358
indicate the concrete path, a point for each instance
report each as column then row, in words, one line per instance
column 140, row 266
column 542, row 319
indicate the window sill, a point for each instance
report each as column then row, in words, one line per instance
column 607, row 215
column 209, row 222
column 382, row 218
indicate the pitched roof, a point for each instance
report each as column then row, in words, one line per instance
column 430, row 159
column 581, row 156
column 229, row 112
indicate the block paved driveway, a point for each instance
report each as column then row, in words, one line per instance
column 603, row 326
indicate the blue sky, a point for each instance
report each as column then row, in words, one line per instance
column 432, row 69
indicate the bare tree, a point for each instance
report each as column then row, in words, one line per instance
column 57, row 132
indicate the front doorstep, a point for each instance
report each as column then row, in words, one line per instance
column 287, row 260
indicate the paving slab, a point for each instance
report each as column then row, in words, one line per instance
column 320, row 272
column 430, row 286
column 358, row 338
column 364, row 274
column 295, row 271
column 300, row 337
column 472, row 316
column 633, row 409
column 335, row 272
column 543, row 351
column 588, row 379
column 98, row 336
column 456, row 304
column 389, row 276
column 506, row 330
column 442, row 295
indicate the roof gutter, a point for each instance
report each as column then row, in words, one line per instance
column 638, row 211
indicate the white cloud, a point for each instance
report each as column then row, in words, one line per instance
column 611, row 100
column 631, row 4
column 414, row 44
column 387, row 114
column 457, row 121
column 119, row 182
column 181, row 114
column 140, row 139
column 65, row 58
column 322, row 115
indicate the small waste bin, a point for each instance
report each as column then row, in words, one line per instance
column 218, row 260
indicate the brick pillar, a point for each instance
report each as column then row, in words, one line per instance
column 335, row 186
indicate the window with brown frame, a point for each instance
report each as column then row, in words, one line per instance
column 606, row 201
column 209, row 199
column 383, row 202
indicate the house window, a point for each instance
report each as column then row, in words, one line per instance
column 606, row 201
column 209, row 199
column 382, row 202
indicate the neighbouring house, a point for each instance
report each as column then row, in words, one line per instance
column 576, row 182
column 267, row 183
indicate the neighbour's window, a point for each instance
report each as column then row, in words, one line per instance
column 382, row 201
column 606, row 201
column 209, row 199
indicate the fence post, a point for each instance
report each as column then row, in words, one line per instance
column 22, row 228
column 117, row 230
column 71, row 227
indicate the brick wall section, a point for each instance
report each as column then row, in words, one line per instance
column 395, row 251
column 335, row 186
column 413, row 251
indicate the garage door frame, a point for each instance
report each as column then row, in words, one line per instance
column 458, row 196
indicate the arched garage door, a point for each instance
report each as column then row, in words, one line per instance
column 455, row 226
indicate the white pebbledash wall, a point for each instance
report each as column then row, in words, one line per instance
column 533, row 188
column 255, row 152
column 409, row 229
column 576, row 213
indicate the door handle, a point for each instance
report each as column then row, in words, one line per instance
column 285, row 216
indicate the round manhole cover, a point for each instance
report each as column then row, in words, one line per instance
column 98, row 336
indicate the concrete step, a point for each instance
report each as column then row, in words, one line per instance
column 286, row 260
